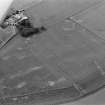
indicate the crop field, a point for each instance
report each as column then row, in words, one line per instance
column 62, row 64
